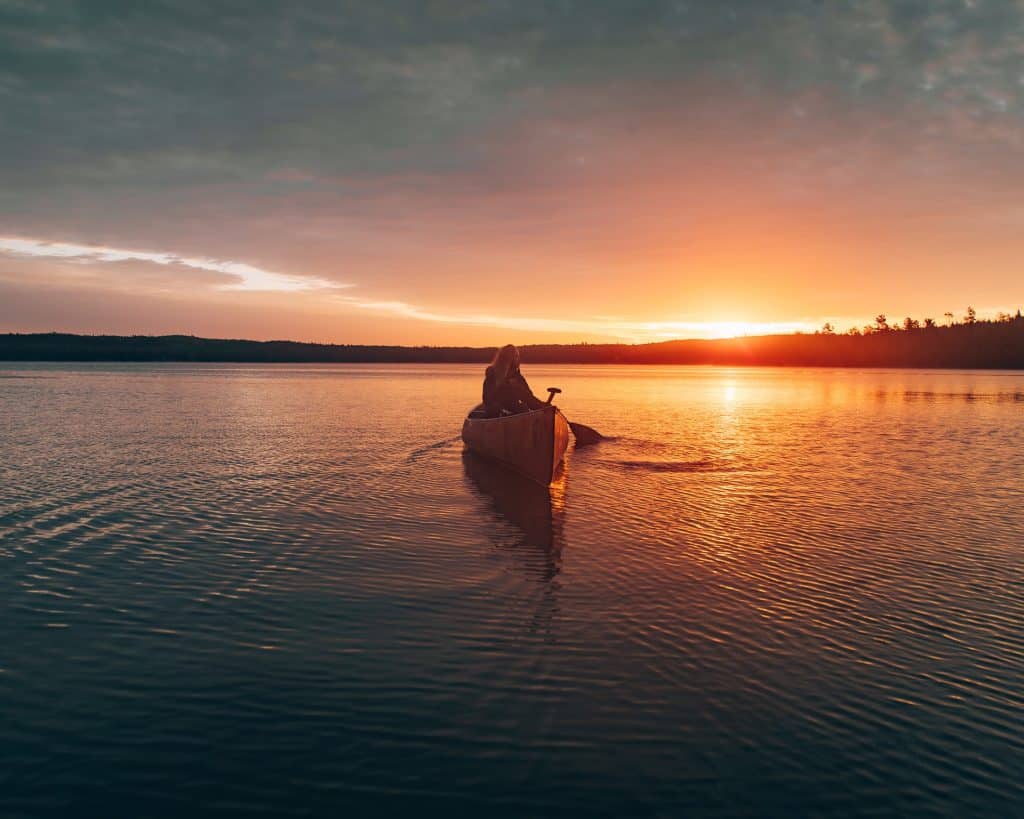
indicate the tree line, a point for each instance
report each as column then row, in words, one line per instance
column 969, row 343
column 882, row 325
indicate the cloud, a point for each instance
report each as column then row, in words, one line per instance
column 116, row 264
column 163, row 98
column 243, row 276
column 596, row 327
column 199, row 92
column 562, row 153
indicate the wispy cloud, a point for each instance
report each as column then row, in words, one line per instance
column 597, row 327
column 251, row 278
column 248, row 277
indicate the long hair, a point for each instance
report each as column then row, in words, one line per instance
column 505, row 362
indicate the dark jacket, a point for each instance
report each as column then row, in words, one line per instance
column 514, row 395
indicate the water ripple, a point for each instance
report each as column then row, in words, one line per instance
column 267, row 590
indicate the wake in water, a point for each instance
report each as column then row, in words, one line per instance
column 647, row 460
column 422, row 452
column 703, row 465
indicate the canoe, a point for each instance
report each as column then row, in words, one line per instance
column 531, row 443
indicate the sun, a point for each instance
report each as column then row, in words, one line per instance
column 732, row 329
column 672, row 330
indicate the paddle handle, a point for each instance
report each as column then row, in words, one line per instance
column 552, row 392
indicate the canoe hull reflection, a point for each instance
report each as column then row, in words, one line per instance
column 530, row 443
column 531, row 508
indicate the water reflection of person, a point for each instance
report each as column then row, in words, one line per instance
column 505, row 389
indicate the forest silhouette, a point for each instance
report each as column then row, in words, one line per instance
column 968, row 343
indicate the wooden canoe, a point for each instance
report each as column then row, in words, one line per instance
column 531, row 443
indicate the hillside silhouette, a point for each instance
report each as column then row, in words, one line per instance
column 971, row 343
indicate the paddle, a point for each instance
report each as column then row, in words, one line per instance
column 584, row 435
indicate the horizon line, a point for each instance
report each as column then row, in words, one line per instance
column 866, row 331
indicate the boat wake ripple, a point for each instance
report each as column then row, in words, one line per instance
column 424, row 451
column 702, row 465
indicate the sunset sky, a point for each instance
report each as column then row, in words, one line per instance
column 424, row 172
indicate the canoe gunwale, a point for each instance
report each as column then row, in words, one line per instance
column 515, row 415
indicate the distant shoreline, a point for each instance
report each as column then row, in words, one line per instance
column 977, row 345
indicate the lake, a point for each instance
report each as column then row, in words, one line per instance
column 283, row 590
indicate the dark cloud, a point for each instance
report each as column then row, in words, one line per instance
column 184, row 93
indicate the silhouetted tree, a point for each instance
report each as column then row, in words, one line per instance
column 929, row 323
column 911, row 324
column 827, row 329
column 987, row 344
column 853, row 331
column 971, row 317
column 949, row 319
column 881, row 323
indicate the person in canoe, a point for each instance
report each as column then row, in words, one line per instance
column 505, row 390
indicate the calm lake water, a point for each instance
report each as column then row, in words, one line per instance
column 283, row 590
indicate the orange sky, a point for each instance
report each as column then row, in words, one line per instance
column 630, row 187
